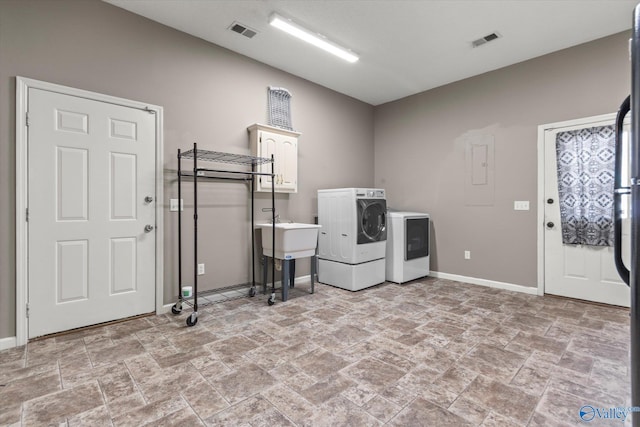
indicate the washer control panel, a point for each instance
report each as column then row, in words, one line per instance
column 370, row 193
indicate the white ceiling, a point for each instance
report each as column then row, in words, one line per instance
column 405, row 46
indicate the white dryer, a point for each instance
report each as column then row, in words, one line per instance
column 352, row 240
column 407, row 255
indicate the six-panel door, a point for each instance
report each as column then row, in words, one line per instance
column 91, row 195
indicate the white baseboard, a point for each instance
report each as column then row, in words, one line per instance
column 298, row 279
column 485, row 282
column 165, row 309
column 9, row 342
column 303, row 279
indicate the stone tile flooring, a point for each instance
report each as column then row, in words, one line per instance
column 428, row 353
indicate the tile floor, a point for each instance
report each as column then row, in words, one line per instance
column 428, row 353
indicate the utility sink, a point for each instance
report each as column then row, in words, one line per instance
column 293, row 240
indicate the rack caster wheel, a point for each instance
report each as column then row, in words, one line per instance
column 192, row 320
column 176, row 309
column 252, row 292
column 271, row 300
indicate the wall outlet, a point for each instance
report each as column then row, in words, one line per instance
column 521, row 205
column 173, row 205
column 200, row 269
column 467, row 254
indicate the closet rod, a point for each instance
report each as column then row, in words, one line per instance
column 190, row 175
column 236, row 172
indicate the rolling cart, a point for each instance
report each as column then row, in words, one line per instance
column 196, row 175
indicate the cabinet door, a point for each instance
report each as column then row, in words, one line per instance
column 287, row 164
column 267, row 146
column 284, row 148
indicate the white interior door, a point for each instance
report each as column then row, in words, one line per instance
column 91, row 167
column 577, row 271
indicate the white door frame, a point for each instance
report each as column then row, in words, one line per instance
column 542, row 129
column 22, row 243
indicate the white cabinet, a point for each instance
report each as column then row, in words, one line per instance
column 283, row 144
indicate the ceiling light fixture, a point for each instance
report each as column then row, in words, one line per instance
column 317, row 40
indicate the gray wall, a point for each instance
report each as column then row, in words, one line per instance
column 209, row 94
column 420, row 157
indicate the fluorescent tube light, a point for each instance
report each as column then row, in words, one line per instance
column 295, row 30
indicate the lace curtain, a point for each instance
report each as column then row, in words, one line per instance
column 585, row 184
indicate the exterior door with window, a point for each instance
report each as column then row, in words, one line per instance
column 578, row 261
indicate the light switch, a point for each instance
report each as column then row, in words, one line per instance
column 173, row 205
column 521, row 205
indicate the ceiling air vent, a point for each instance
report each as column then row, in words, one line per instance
column 242, row 29
column 486, row 39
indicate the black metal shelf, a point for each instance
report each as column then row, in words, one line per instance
column 235, row 175
column 219, row 295
column 217, row 156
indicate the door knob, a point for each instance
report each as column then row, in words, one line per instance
column 148, row 228
column 148, row 199
column 550, row 224
column 550, row 201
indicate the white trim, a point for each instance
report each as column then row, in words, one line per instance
column 159, row 114
column 6, row 343
column 165, row 308
column 22, row 237
column 542, row 129
column 485, row 282
column 22, row 88
column 303, row 279
column 540, row 216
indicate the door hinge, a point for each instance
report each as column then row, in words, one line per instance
column 27, row 310
column 27, row 214
column 27, row 119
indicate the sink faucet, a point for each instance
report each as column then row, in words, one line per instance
column 277, row 219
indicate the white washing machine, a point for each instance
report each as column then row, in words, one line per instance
column 407, row 256
column 352, row 240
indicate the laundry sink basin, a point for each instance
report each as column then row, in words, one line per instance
column 293, row 240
